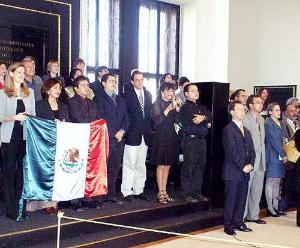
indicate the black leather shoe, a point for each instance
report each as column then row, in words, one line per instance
column 244, row 228
column 190, row 199
column 280, row 213
column 115, row 200
column 201, row 198
column 259, row 221
column 271, row 214
column 229, row 232
column 129, row 198
column 142, row 196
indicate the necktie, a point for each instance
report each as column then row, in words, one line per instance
column 295, row 124
column 113, row 97
column 257, row 123
column 141, row 100
column 242, row 130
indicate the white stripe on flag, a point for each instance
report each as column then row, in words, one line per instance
column 72, row 146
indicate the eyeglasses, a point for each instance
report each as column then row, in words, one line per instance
column 84, row 85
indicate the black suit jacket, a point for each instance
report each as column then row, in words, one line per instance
column 82, row 110
column 43, row 110
column 115, row 115
column 239, row 151
column 138, row 125
column 97, row 88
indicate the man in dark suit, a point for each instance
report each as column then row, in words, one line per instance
column 97, row 86
column 139, row 102
column 239, row 161
column 112, row 108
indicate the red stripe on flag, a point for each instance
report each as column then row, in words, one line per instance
column 96, row 175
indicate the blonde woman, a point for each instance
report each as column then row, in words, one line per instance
column 53, row 70
column 16, row 100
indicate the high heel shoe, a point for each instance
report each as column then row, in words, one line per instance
column 161, row 198
column 270, row 214
column 167, row 197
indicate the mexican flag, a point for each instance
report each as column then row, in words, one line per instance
column 64, row 161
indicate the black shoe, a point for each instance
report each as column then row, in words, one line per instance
column 115, row 200
column 201, row 198
column 142, row 196
column 190, row 199
column 259, row 221
column 229, row 232
column 77, row 207
column 95, row 204
column 280, row 213
column 129, row 198
column 12, row 216
column 270, row 214
column 243, row 228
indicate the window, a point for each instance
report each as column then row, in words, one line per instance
column 100, row 39
column 158, row 42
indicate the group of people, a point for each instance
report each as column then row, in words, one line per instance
column 254, row 151
column 253, row 146
column 130, row 118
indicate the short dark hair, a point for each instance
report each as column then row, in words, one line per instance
column 236, row 94
column 100, row 68
column 231, row 106
column 183, row 80
column 105, row 77
column 135, row 72
column 166, row 86
column 78, row 61
column 250, row 100
column 163, row 78
column 79, row 79
column 48, row 84
column 73, row 72
column 271, row 106
column 186, row 88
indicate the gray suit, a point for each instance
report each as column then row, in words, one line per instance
column 257, row 129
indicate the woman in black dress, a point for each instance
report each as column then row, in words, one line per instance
column 165, row 146
column 50, row 108
column 295, row 185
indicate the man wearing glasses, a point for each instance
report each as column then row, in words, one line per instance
column 195, row 120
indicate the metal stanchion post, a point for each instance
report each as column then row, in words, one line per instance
column 59, row 216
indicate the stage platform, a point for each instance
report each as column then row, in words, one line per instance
column 40, row 230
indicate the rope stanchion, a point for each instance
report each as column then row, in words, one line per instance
column 61, row 215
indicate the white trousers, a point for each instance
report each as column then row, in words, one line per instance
column 134, row 169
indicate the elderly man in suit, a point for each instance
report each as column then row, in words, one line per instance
column 239, row 161
column 138, row 101
column 112, row 108
column 254, row 122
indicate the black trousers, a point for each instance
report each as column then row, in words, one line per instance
column 113, row 167
column 12, row 162
column 297, row 198
column 235, row 202
column 192, row 171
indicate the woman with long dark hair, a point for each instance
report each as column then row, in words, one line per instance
column 16, row 100
column 165, row 146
